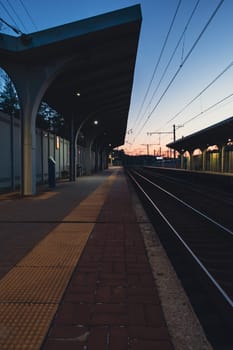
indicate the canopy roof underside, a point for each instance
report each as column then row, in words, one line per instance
column 99, row 55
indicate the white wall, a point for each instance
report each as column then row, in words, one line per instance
column 10, row 153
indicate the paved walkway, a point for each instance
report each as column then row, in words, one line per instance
column 78, row 276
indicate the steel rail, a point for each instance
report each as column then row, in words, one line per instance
column 204, row 269
column 187, row 205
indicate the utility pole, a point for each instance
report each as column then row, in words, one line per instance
column 174, row 135
column 174, row 139
column 158, row 133
column 147, row 146
column 175, row 127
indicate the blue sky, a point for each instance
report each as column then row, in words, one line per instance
column 160, row 109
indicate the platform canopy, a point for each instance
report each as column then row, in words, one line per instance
column 95, row 83
column 217, row 134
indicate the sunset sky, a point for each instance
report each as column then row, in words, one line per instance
column 184, row 68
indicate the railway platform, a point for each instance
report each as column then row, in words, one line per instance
column 76, row 273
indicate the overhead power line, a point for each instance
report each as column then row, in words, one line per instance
column 173, row 54
column 16, row 28
column 202, row 91
column 28, row 14
column 182, row 64
column 19, row 19
column 17, row 31
column 159, row 59
column 174, row 51
column 209, row 108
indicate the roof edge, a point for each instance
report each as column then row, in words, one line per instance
column 197, row 133
column 70, row 30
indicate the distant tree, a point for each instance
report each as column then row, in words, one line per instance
column 47, row 118
column 50, row 120
column 42, row 120
column 58, row 124
column 2, row 78
column 9, row 102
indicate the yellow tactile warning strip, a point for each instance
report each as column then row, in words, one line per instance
column 9, row 196
column 34, row 285
column 90, row 208
column 23, row 326
column 44, row 195
column 30, row 293
column 16, row 195
column 63, row 244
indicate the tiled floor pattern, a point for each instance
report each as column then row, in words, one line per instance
column 111, row 302
column 30, row 292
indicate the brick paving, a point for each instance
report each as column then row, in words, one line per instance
column 111, row 302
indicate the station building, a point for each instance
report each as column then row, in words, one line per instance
column 210, row 149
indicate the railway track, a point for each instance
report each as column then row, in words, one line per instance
column 195, row 225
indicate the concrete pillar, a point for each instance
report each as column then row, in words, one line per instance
column 12, row 143
column 88, row 158
column 97, row 167
column 87, row 151
column 190, row 161
column 73, row 147
column 28, row 154
column 222, row 158
column 227, row 162
column 42, row 155
column 105, row 159
column 182, row 159
column 101, row 160
column 204, row 153
column 31, row 82
column 29, row 86
column 30, row 101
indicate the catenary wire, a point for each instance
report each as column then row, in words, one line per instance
column 180, row 67
column 29, row 16
column 208, row 108
column 12, row 18
column 19, row 19
column 201, row 92
column 159, row 59
column 172, row 56
column 17, row 31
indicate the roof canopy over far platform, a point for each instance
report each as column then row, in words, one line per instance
column 217, row 134
column 95, row 82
